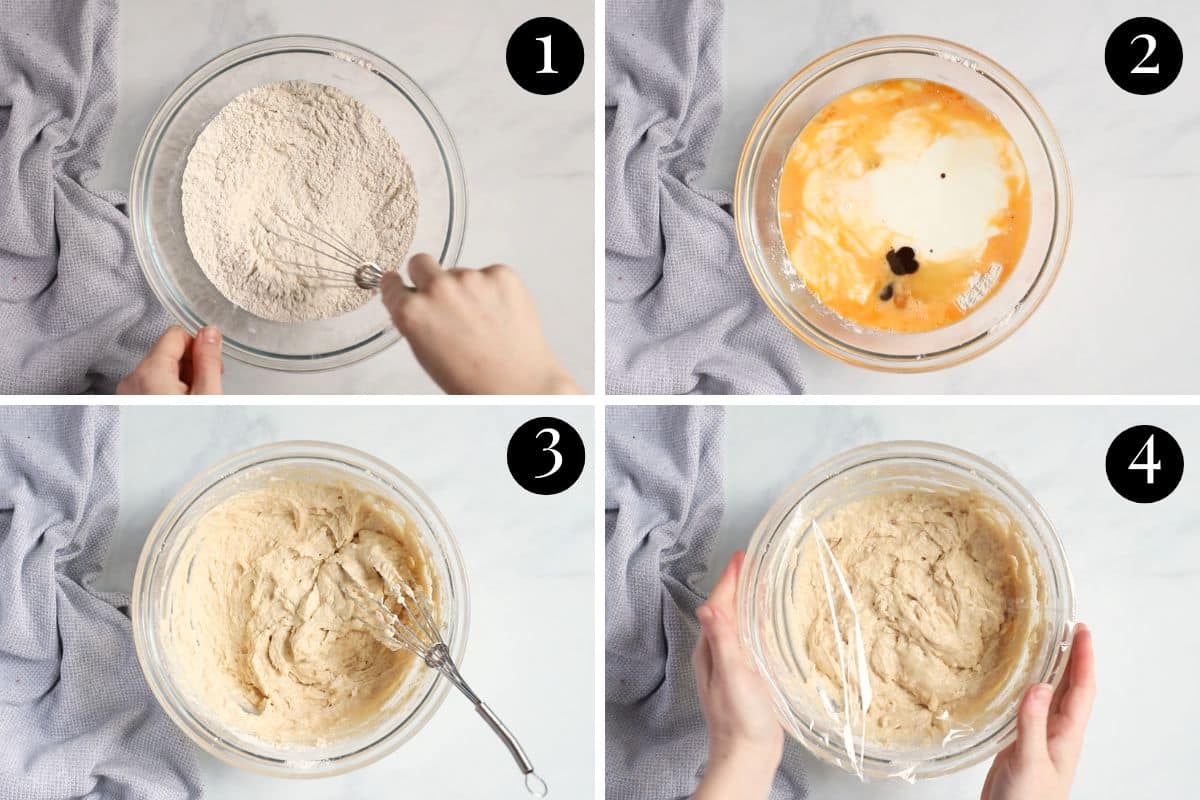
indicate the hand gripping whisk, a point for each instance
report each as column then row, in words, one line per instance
column 422, row 637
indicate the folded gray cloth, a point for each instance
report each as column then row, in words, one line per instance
column 682, row 314
column 663, row 503
column 76, row 716
column 75, row 312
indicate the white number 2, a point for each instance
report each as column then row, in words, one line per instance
column 1141, row 68
column 1149, row 465
column 548, row 67
column 555, row 437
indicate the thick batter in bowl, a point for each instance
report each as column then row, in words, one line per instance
column 262, row 628
column 899, row 600
column 242, row 628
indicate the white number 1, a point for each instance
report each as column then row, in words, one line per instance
column 555, row 436
column 548, row 68
column 1150, row 465
column 1141, row 68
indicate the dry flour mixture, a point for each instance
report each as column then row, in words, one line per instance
column 277, row 163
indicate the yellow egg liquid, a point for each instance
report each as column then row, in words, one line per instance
column 903, row 205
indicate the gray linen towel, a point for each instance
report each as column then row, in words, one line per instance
column 76, row 314
column 76, row 716
column 682, row 315
column 664, row 498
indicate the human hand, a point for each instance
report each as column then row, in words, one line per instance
column 1040, row 764
column 178, row 364
column 474, row 331
column 745, row 740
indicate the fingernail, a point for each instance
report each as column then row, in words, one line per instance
column 1042, row 694
column 704, row 614
column 210, row 335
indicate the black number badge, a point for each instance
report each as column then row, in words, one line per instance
column 545, row 456
column 1143, row 55
column 545, row 56
column 1144, row 464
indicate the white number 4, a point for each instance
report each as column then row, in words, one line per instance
column 555, row 436
column 547, row 64
column 1149, row 465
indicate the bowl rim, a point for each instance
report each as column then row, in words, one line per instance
column 171, row 105
column 1006, row 325
column 1000, row 481
column 336, row 456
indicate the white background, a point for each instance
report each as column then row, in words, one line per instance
column 529, row 563
column 1126, row 300
column 1135, row 567
column 529, row 160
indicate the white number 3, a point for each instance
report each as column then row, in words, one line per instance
column 1150, row 465
column 1141, row 68
column 555, row 437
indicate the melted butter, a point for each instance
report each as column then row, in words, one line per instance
column 904, row 164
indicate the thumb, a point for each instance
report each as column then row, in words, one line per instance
column 722, row 635
column 396, row 296
column 206, row 362
column 1031, row 724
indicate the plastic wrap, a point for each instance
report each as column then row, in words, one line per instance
column 807, row 628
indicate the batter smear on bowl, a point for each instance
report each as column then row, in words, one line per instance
column 904, row 204
column 946, row 596
column 261, row 630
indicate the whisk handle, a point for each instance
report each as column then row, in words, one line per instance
column 533, row 782
column 438, row 657
column 506, row 736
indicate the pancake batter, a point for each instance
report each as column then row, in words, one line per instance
column 945, row 590
column 903, row 205
column 260, row 632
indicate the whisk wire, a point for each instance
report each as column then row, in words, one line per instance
column 422, row 637
column 322, row 236
column 323, row 270
column 361, row 273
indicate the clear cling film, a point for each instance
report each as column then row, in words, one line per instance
column 851, row 655
column 899, row 600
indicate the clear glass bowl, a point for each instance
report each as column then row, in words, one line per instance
column 765, row 603
column 161, row 558
column 811, row 89
column 155, row 199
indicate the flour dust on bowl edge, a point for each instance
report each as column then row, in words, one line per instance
column 156, row 211
column 164, row 555
column 769, row 604
column 756, row 195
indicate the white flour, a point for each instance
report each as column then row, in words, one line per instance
column 305, row 154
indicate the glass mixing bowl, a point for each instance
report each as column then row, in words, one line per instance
column 765, row 603
column 155, row 195
column 161, row 559
column 811, row 89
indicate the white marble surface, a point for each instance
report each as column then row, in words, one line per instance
column 529, row 160
column 529, row 562
column 1137, row 583
column 1127, row 295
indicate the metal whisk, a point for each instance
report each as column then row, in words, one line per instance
column 422, row 637
column 355, row 270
